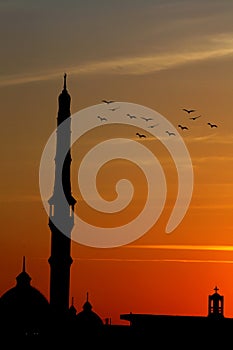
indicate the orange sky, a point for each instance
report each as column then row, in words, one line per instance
column 165, row 63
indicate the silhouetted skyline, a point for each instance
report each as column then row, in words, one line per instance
column 166, row 56
column 29, row 318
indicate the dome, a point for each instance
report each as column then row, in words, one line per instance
column 25, row 298
column 23, row 307
column 87, row 318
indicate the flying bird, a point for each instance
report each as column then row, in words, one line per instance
column 212, row 125
column 194, row 118
column 188, row 110
column 170, row 133
column 183, row 127
column 140, row 135
column 101, row 118
column 152, row 126
column 108, row 101
column 131, row 116
column 146, row 119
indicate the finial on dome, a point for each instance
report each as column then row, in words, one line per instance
column 87, row 306
column 24, row 265
column 23, row 279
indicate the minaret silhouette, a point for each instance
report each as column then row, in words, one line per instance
column 61, row 217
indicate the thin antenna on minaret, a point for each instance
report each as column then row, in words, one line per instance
column 72, row 301
column 64, row 87
column 24, row 269
column 87, row 296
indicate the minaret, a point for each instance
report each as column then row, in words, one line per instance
column 61, row 210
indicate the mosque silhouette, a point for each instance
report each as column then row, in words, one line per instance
column 30, row 320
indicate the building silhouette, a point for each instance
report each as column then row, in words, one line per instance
column 61, row 210
column 24, row 309
column 29, row 319
column 215, row 304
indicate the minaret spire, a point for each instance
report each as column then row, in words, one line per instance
column 61, row 209
column 64, row 87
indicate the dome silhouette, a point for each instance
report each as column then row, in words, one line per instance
column 87, row 318
column 24, row 307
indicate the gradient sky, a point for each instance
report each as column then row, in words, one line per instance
column 164, row 55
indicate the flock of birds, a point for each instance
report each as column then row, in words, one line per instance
column 194, row 118
column 169, row 133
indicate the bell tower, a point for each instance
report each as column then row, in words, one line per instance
column 215, row 304
column 61, row 216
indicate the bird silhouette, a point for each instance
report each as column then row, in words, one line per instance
column 212, row 125
column 108, row 101
column 131, row 116
column 183, row 127
column 188, row 110
column 140, row 135
column 170, row 133
column 101, row 118
column 152, row 126
column 146, row 119
column 194, row 118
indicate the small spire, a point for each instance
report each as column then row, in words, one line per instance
column 72, row 309
column 87, row 306
column 64, row 87
column 23, row 279
column 24, row 268
column 216, row 289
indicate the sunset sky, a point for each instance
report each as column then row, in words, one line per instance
column 164, row 55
